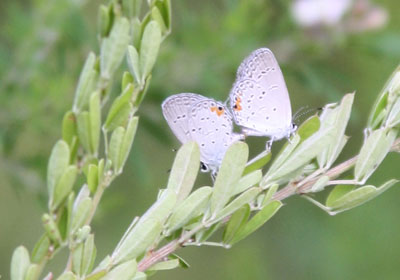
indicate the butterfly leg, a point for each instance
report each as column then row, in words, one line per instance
column 268, row 145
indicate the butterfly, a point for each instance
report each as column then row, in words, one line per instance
column 259, row 100
column 193, row 117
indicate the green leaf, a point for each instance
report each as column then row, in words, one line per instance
column 41, row 249
column 237, row 203
column 133, row 64
column 320, row 184
column 356, row 197
column 337, row 118
column 156, row 16
column 162, row 208
column 236, row 222
column 184, row 170
column 127, row 140
column 113, row 47
column 132, row 8
column 69, row 127
column 88, row 255
column 309, row 127
column 86, row 83
column 95, row 121
column 58, row 163
column 105, row 20
column 84, row 130
column 394, row 115
column 270, row 193
column 229, row 174
column 192, row 206
column 51, row 228
column 165, row 265
column 258, row 220
column 67, row 276
column 19, row 263
column 92, row 178
column 140, row 276
column 136, row 27
column 149, row 47
column 338, row 192
column 127, row 80
column 138, row 240
column 373, row 151
column 120, row 110
column 33, row 272
column 165, row 9
column 114, row 152
column 258, row 162
column 182, row 262
column 77, row 258
column 301, row 156
column 247, row 181
column 81, row 213
column 64, row 186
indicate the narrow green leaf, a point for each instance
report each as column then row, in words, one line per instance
column 320, row 184
column 269, row 195
column 162, row 208
column 86, row 83
column 247, row 181
column 184, row 170
column 394, row 115
column 104, row 20
column 19, row 263
column 114, row 152
column 149, row 47
column 113, row 47
column 124, row 271
column 301, row 156
column 309, row 127
column 67, row 276
column 237, row 203
column 127, row 140
column 96, row 275
column 338, row 192
column 258, row 220
column 58, row 162
column 127, row 80
column 84, row 130
column 88, row 255
column 41, row 249
column 165, row 9
column 205, row 234
column 138, row 240
column 140, row 276
column 373, row 151
column 81, row 213
column 229, row 174
column 236, row 222
column 77, row 259
column 165, row 265
column 357, row 197
column 64, row 186
column 136, row 27
column 258, row 162
column 51, row 228
column 95, row 122
column 33, row 271
column 192, row 206
column 156, row 16
column 92, row 178
column 69, row 127
column 133, row 64
column 182, row 262
column 120, row 110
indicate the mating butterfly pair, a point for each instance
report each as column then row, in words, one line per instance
column 258, row 102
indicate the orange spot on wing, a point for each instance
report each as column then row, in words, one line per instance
column 217, row 110
column 238, row 107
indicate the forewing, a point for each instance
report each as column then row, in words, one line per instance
column 260, row 82
column 176, row 112
column 211, row 127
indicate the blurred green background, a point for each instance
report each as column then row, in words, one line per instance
column 43, row 45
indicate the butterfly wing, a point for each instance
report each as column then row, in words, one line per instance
column 176, row 112
column 259, row 98
column 212, row 128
